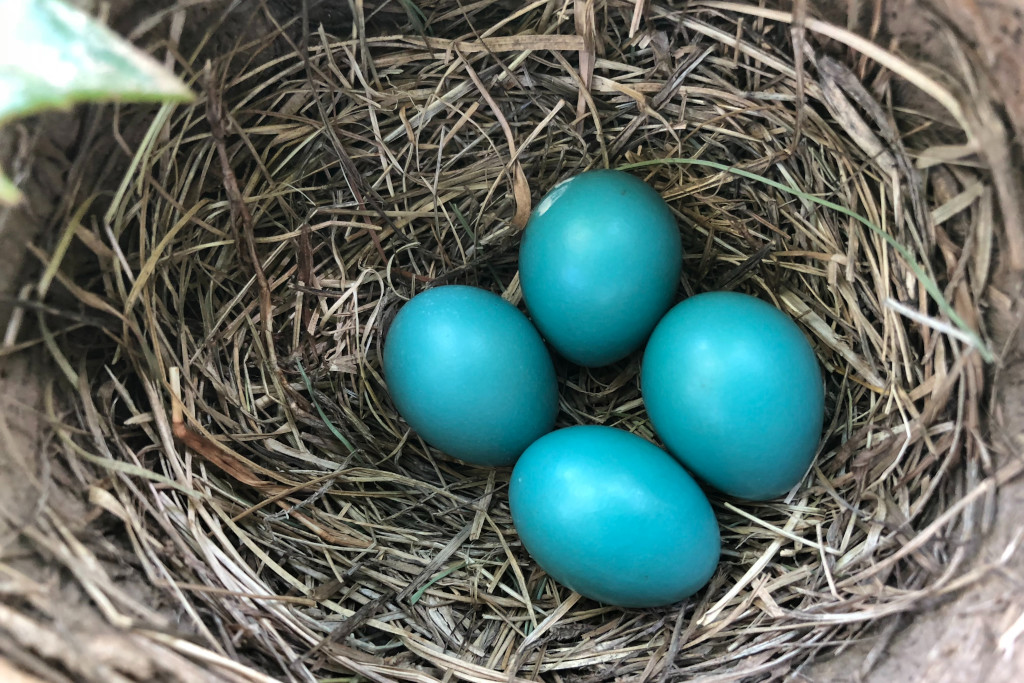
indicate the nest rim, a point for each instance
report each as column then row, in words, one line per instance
column 349, row 453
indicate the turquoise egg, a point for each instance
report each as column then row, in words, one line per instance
column 613, row 517
column 734, row 390
column 599, row 264
column 470, row 374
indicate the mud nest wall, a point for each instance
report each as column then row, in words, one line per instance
column 218, row 280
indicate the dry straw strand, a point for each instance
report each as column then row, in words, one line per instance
column 233, row 418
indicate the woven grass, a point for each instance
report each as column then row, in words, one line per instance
column 229, row 414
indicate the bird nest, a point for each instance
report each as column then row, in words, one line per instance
column 237, row 276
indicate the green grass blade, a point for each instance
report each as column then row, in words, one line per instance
column 929, row 283
column 9, row 194
column 323, row 416
column 415, row 597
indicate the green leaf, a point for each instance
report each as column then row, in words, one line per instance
column 53, row 55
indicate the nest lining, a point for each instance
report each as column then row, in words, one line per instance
column 231, row 406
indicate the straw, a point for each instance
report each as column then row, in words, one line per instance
column 233, row 415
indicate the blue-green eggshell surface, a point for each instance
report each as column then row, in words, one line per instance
column 734, row 390
column 613, row 517
column 470, row 374
column 599, row 264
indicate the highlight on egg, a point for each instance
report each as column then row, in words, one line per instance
column 470, row 374
column 613, row 517
column 599, row 263
column 734, row 390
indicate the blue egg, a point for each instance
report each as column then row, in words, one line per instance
column 734, row 390
column 599, row 264
column 613, row 517
column 470, row 374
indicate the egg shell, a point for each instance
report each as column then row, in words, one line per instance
column 599, row 264
column 734, row 390
column 470, row 374
column 613, row 517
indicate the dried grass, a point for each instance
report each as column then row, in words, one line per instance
column 229, row 408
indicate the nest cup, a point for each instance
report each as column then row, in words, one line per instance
column 223, row 488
